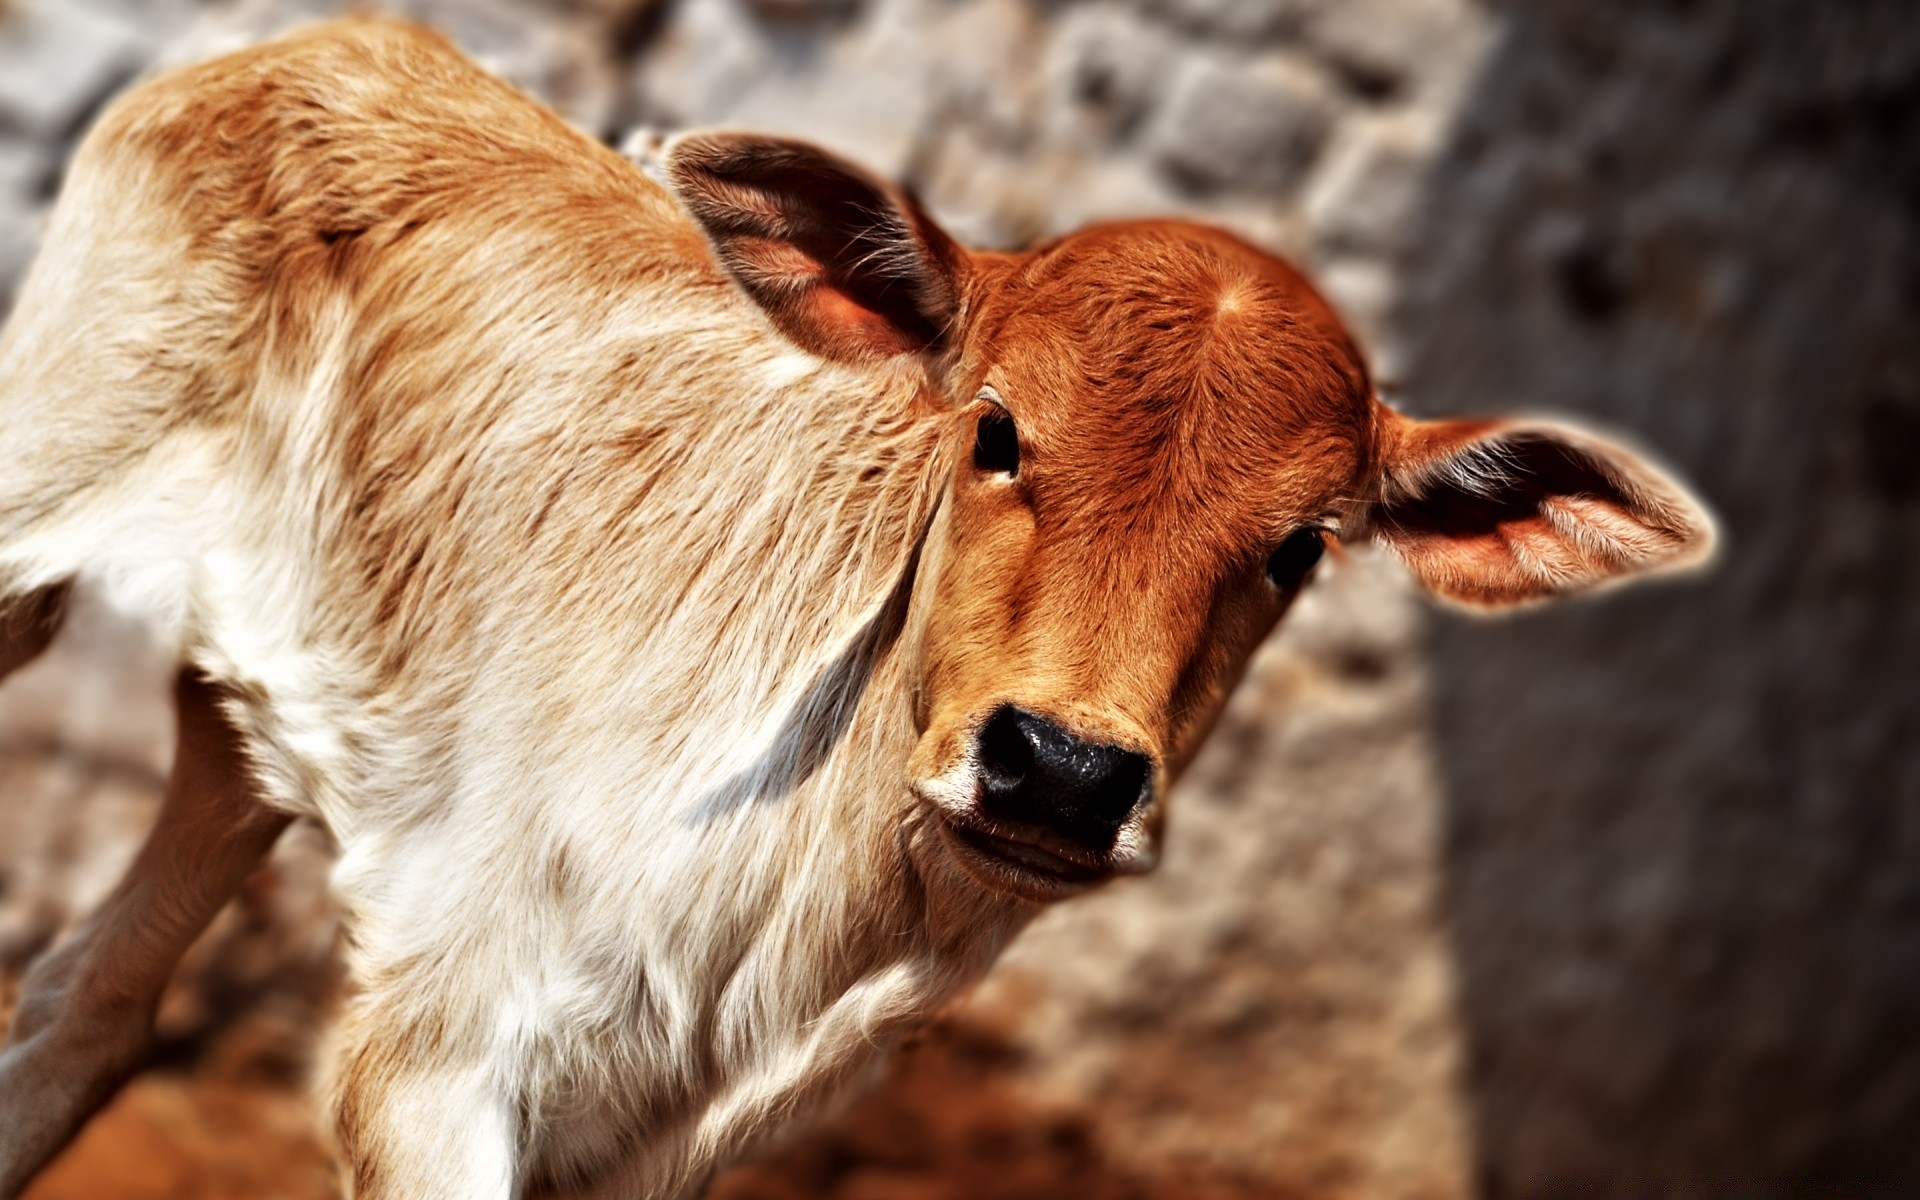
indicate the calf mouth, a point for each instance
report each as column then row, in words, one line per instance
column 1030, row 863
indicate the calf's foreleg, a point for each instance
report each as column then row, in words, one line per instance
column 85, row 1017
column 422, row 1099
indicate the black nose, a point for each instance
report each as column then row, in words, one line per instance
column 1032, row 770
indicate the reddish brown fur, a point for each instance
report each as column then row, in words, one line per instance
column 1185, row 401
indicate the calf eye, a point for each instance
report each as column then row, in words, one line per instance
column 996, row 444
column 1289, row 565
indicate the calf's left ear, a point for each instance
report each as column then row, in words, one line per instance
column 845, row 265
column 1491, row 514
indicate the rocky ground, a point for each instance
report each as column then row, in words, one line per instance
column 1613, row 900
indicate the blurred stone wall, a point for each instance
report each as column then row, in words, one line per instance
column 1607, row 900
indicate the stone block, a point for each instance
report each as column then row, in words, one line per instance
column 58, row 60
column 1363, row 197
column 1106, row 69
column 1239, row 19
column 1233, row 123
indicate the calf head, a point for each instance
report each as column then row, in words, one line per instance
column 1162, row 429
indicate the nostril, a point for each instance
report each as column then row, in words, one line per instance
column 1120, row 791
column 1034, row 770
column 1006, row 756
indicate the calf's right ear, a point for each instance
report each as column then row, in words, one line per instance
column 1491, row 514
column 845, row 265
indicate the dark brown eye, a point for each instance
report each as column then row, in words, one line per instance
column 1289, row 565
column 996, row 444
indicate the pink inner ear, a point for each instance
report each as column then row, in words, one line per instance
column 794, row 288
column 1497, row 515
column 1515, row 561
column 837, row 325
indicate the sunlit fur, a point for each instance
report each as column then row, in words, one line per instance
column 609, row 576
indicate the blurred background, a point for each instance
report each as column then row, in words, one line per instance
column 1615, row 899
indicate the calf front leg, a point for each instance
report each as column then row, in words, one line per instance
column 85, row 1017
column 421, row 1108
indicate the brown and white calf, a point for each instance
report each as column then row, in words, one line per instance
column 710, row 619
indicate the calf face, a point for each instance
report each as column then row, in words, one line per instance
column 1158, row 429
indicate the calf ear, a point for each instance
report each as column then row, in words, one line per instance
column 846, row 266
column 1492, row 514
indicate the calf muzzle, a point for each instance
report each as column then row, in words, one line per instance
column 1035, row 772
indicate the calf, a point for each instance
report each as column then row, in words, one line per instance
column 709, row 619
